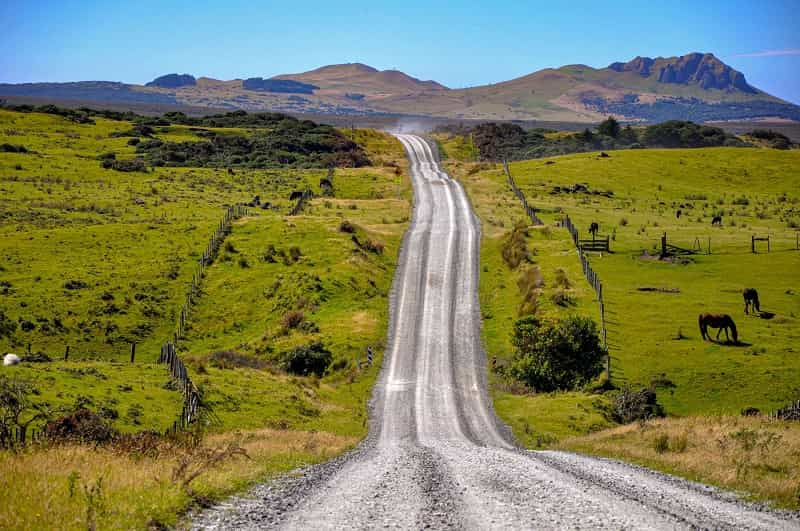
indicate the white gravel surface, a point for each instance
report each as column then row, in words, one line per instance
column 437, row 457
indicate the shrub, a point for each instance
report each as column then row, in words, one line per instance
column 7, row 326
column 556, row 355
column 661, row 443
column 346, row 226
column 269, row 254
column 294, row 253
column 630, row 406
column 11, row 148
column 562, row 280
column 75, row 284
column 292, row 319
column 309, row 359
column 562, row 298
column 741, row 201
column 515, row 246
column 609, row 127
column 83, row 426
column 529, row 281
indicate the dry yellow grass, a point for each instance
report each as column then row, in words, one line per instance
column 754, row 456
column 50, row 488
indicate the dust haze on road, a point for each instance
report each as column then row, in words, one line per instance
column 436, row 455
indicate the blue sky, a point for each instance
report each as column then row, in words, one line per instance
column 456, row 44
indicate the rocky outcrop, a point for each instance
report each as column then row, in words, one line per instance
column 173, row 81
column 704, row 70
column 640, row 65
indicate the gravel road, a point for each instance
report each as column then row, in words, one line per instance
column 436, row 455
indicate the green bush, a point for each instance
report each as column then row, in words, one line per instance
column 558, row 355
column 309, row 359
column 630, row 406
column 609, row 127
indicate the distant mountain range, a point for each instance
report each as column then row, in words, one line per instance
column 695, row 86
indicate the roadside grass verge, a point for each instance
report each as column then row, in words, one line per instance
column 755, row 457
column 139, row 492
column 536, row 420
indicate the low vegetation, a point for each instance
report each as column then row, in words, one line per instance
column 751, row 455
column 507, row 141
column 659, row 363
column 97, row 259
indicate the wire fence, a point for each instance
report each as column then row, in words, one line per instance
column 588, row 272
column 169, row 356
column 529, row 210
column 790, row 412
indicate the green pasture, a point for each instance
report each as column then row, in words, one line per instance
column 653, row 335
column 95, row 259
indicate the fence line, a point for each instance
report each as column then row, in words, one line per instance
column 529, row 210
column 16, row 437
column 588, row 272
column 790, row 412
column 169, row 356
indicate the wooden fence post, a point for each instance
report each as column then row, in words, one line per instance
column 133, row 351
column 66, row 353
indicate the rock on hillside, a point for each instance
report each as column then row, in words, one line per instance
column 704, row 70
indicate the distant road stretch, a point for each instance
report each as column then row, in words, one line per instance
column 436, row 455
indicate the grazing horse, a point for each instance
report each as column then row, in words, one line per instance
column 716, row 220
column 750, row 300
column 722, row 322
column 678, row 214
column 593, row 229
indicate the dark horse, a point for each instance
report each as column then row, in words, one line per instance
column 751, row 300
column 723, row 322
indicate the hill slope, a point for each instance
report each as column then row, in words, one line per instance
column 695, row 86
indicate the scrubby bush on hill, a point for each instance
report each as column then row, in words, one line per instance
column 126, row 165
column 631, row 405
column 515, row 246
column 498, row 142
column 291, row 142
column 11, row 148
column 306, row 360
column 83, row 425
column 556, row 355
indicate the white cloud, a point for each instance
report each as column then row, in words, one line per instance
column 769, row 53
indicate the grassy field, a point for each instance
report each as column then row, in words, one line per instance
column 69, row 487
column 653, row 335
column 753, row 456
column 95, row 259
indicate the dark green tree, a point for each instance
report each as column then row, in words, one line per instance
column 560, row 355
column 609, row 127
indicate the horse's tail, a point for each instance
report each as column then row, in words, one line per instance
column 734, row 333
column 701, row 323
column 755, row 301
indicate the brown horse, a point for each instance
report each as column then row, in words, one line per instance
column 722, row 322
column 751, row 300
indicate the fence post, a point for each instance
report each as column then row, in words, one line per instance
column 66, row 353
column 133, row 351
